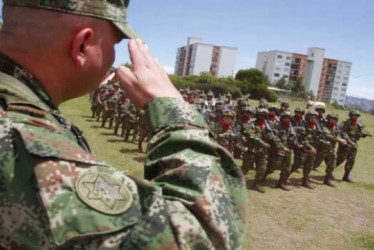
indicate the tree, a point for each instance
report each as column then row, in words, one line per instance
column 281, row 83
column 298, row 87
column 254, row 76
column 206, row 77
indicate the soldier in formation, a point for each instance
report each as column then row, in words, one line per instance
column 266, row 139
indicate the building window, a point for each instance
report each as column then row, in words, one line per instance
column 285, row 76
column 288, row 58
column 345, row 78
column 336, row 89
column 344, row 84
column 277, row 68
column 286, row 70
column 287, row 64
column 341, row 100
column 276, row 75
column 342, row 95
column 279, row 56
column 343, row 89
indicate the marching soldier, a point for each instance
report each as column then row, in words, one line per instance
column 321, row 115
column 352, row 131
column 314, row 140
column 109, row 107
column 210, row 102
column 131, row 121
column 283, row 108
column 287, row 140
column 327, row 154
column 224, row 130
column 143, row 130
column 243, row 119
column 228, row 102
column 257, row 135
column 298, row 122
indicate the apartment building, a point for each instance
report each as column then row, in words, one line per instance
column 328, row 79
column 197, row 57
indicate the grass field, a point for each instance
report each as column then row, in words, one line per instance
column 323, row 218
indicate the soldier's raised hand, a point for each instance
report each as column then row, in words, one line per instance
column 146, row 80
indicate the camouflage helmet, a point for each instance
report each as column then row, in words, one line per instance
column 210, row 93
column 321, row 108
column 285, row 104
column 113, row 11
column 116, row 84
column 263, row 103
column 247, row 109
column 299, row 110
column 286, row 113
column 354, row 112
column 262, row 111
column 228, row 112
column 273, row 107
column 228, row 95
column 182, row 91
column 219, row 103
column 311, row 113
column 242, row 102
column 332, row 116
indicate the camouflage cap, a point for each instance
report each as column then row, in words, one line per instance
column 311, row 112
column 300, row 110
column 273, row 107
column 228, row 112
column 354, row 112
column 111, row 10
column 286, row 113
column 247, row 109
column 285, row 104
column 262, row 111
column 332, row 116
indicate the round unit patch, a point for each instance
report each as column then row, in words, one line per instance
column 103, row 193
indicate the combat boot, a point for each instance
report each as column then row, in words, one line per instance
column 282, row 182
column 327, row 181
column 306, row 182
column 346, row 176
column 257, row 187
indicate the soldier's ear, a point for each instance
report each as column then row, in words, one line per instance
column 81, row 47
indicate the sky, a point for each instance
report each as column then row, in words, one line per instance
column 343, row 27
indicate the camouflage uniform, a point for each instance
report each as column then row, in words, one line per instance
column 285, row 143
column 327, row 153
column 143, row 130
column 314, row 140
column 352, row 132
column 242, row 119
column 298, row 123
column 225, row 132
column 131, row 120
column 273, row 123
column 258, row 136
column 120, row 118
column 54, row 193
column 283, row 108
column 110, row 108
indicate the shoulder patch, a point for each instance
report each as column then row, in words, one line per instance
column 103, row 193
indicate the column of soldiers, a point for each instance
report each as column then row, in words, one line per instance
column 110, row 104
column 267, row 138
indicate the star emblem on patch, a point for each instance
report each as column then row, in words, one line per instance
column 103, row 193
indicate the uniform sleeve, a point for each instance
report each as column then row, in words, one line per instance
column 202, row 187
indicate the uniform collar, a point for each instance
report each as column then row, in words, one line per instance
column 10, row 67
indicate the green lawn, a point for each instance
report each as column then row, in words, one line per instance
column 323, row 218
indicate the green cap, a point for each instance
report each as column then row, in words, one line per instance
column 354, row 112
column 113, row 10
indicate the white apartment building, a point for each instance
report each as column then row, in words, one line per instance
column 327, row 78
column 197, row 57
